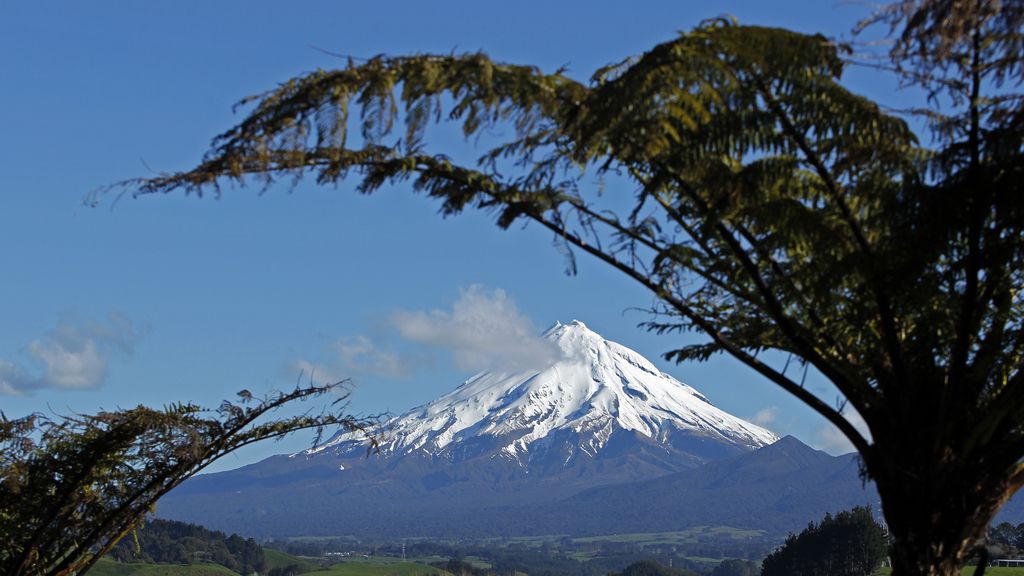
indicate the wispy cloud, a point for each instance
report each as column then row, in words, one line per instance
column 483, row 330
column 69, row 357
column 766, row 416
column 359, row 356
column 362, row 354
column 311, row 372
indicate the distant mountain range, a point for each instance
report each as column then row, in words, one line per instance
column 596, row 441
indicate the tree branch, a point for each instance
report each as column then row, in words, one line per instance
column 830, row 414
column 885, row 312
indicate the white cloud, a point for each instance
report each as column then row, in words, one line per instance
column 14, row 381
column 69, row 357
column 361, row 354
column 483, row 330
column 314, row 373
column 70, row 365
column 831, row 440
column 358, row 355
column 765, row 417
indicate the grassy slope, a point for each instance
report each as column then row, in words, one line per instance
column 108, row 567
column 278, row 559
column 380, row 569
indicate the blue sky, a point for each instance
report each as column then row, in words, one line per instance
column 172, row 298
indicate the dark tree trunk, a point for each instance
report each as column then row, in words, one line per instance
column 928, row 554
column 937, row 514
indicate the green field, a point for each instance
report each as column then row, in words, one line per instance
column 278, row 559
column 688, row 536
column 380, row 568
column 474, row 561
column 374, row 567
column 589, row 546
column 107, row 567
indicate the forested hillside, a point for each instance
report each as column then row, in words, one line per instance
column 170, row 542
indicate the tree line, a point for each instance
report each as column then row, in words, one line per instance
column 850, row 543
column 171, row 542
column 1007, row 539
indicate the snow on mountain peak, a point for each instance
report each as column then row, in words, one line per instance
column 594, row 390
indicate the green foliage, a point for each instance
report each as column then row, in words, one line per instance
column 381, row 569
column 773, row 209
column 286, row 570
column 458, row 567
column 285, row 564
column 950, row 48
column 735, row 567
column 108, row 567
column 851, row 543
column 72, row 486
column 651, row 568
column 1007, row 539
column 170, row 542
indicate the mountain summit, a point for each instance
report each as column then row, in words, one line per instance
column 511, row 444
column 593, row 392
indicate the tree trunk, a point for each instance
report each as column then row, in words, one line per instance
column 937, row 513
column 921, row 555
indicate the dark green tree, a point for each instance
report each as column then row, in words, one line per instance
column 171, row 542
column 771, row 209
column 72, row 486
column 851, row 543
column 289, row 570
column 736, row 567
column 651, row 568
column 1006, row 539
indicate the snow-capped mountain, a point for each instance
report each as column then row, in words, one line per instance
column 503, row 453
column 594, row 391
